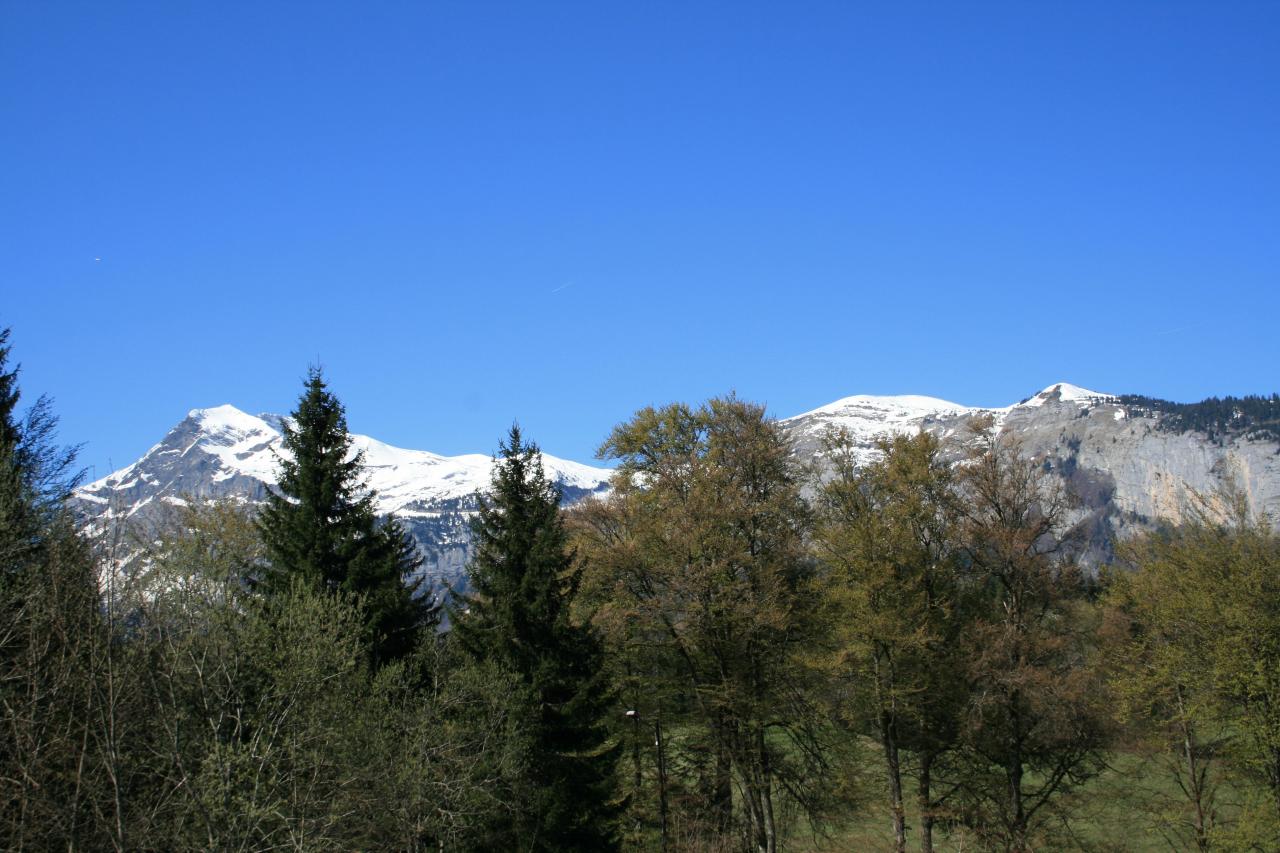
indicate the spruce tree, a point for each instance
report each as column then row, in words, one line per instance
column 49, row 625
column 319, row 525
column 36, row 474
column 518, row 617
column 15, row 509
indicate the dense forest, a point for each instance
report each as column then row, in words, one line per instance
column 1220, row 418
column 728, row 653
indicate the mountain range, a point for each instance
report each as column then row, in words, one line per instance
column 1130, row 460
column 224, row 453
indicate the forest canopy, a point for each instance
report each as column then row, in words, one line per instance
column 728, row 651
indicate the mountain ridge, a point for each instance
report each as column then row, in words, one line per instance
column 221, row 452
column 1127, row 464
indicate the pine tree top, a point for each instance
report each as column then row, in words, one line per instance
column 520, row 571
column 319, row 524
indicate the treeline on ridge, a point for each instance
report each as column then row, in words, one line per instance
column 727, row 653
column 1220, row 418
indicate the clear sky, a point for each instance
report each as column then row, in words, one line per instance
column 472, row 212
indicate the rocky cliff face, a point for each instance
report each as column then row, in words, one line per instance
column 224, row 453
column 1128, row 468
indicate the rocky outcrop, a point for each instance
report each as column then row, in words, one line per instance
column 1127, row 471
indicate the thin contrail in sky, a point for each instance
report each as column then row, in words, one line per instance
column 562, row 287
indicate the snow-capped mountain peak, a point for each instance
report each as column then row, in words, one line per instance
column 1127, row 465
column 237, row 444
column 223, row 452
column 865, row 417
column 894, row 406
column 1064, row 392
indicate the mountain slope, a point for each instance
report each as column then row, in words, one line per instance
column 1127, row 464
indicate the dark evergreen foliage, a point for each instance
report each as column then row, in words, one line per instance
column 320, row 525
column 15, row 508
column 517, row 616
column 49, row 618
column 36, row 477
column 36, row 474
column 1220, row 418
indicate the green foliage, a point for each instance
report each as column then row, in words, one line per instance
column 452, row 738
column 260, row 707
column 265, row 728
column 1036, row 723
column 699, row 566
column 320, row 526
column 36, row 474
column 49, row 632
column 518, row 619
column 893, row 596
column 266, row 684
column 1196, row 659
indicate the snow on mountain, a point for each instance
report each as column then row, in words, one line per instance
column 234, row 444
column 1064, row 392
column 865, row 418
column 222, row 452
column 1125, row 464
column 862, row 408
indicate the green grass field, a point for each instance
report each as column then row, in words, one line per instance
column 1134, row 806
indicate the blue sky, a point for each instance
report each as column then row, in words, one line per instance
column 472, row 212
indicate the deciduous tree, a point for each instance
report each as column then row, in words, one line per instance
column 892, row 591
column 1036, row 722
column 701, row 557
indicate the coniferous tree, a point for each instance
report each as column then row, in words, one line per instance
column 48, row 628
column 36, row 474
column 320, row 525
column 518, row 617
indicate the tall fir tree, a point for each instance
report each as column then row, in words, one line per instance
column 15, row 511
column 319, row 525
column 518, row 617
column 36, row 473
column 49, row 627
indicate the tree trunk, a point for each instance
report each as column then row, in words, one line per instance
column 888, row 738
column 1017, row 815
column 722, row 780
column 925, row 799
column 662, row 781
column 1196, row 776
column 766, row 794
column 636, row 734
column 1017, row 811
